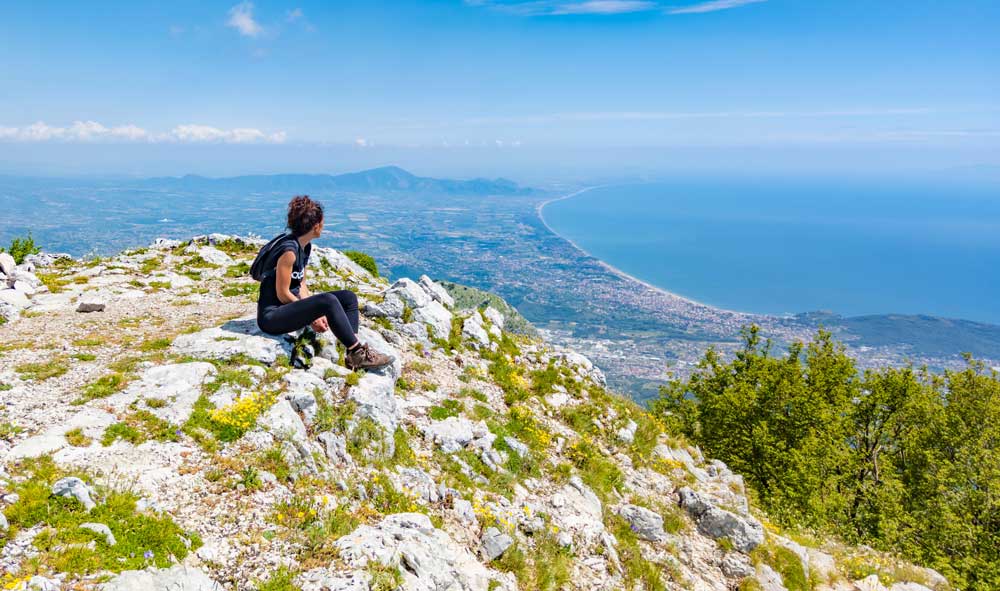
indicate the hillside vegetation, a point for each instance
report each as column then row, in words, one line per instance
column 897, row 458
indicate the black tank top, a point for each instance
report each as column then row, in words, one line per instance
column 268, row 291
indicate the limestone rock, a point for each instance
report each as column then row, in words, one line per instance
column 375, row 398
column 90, row 303
column 178, row 385
column 627, row 433
column 646, row 524
column 736, row 565
column 236, row 337
column 301, row 390
column 454, row 433
column 494, row 316
column 335, row 448
column 338, row 261
column 436, row 291
column 175, row 578
column 410, row 292
column 516, row 446
column 495, row 543
column 7, row 264
column 745, row 533
column 428, row 558
column 91, row 421
column 15, row 298
column 419, row 482
column 575, row 509
column 474, row 330
column 73, row 487
column 437, row 316
column 681, row 456
column 769, row 579
column 283, row 422
column 101, row 530
column 215, row 256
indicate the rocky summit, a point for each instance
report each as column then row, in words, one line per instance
column 152, row 438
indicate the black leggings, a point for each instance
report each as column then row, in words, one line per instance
column 339, row 307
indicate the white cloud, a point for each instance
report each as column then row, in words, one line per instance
column 598, row 7
column 604, row 7
column 92, row 131
column 293, row 15
column 712, row 6
column 241, row 19
column 566, row 7
column 193, row 133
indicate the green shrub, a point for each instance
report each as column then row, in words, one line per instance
column 363, row 260
column 103, row 387
column 21, row 247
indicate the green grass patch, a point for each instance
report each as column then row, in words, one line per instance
column 138, row 427
column 40, row 372
column 76, row 438
column 447, row 408
column 238, row 270
column 154, row 345
column 143, row 539
column 103, row 387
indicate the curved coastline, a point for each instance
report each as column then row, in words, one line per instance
column 539, row 211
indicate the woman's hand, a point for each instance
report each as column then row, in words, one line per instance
column 320, row 324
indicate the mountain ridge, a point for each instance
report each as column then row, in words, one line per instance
column 385, row 178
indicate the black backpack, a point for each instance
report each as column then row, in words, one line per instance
column 263, row 267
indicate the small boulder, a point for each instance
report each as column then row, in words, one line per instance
column 73, row 487
column 101, row 530
column 474, row 330
column 7, row 264
column 175, row 578
column 215, row 256
column 495, row 543
column 436, row 291
column 16, row 299
column 283, row 422
column 437, row 316
column 516, row 446
column 410, row 292
column 90, row 303
column 746, row 533
column 494, row 316
column 646, row 524
column 627, row 433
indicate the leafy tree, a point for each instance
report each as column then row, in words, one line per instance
column 898, row 458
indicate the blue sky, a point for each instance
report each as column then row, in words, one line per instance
column 540, row 90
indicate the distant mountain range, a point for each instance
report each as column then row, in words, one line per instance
column 386, row 178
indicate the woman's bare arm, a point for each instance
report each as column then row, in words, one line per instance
column 283, row 278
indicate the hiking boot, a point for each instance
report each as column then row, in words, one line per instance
column 364, row 357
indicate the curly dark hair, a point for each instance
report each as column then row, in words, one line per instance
column 303, row 214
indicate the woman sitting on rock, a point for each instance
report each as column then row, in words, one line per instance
column 285, row 304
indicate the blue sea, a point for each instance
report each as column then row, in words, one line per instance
column 784, row 247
